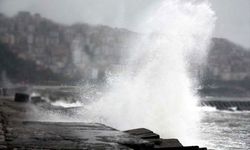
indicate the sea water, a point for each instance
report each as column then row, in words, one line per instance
column 154, row 88
column 225, row 130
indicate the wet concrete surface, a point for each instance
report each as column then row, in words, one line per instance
column 22, row 128
column 17, row 131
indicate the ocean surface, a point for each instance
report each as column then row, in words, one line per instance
column 225, row 130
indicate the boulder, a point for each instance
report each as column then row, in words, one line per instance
column 21, row 97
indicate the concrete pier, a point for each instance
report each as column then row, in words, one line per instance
column 19, row 131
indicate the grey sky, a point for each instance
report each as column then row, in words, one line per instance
column 233, row 15
column 233, row 20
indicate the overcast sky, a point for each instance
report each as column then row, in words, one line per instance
column 233, row 16
column 233, row 20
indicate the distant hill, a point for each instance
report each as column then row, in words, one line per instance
column 227, row 61
column 79, row 51
column 36, row 49
column 24, row 71
column 227, row 71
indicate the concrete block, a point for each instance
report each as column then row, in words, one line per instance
column 21, row 97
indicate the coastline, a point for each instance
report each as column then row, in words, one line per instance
column 18, row 131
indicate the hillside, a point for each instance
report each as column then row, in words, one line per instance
column 24, row 71
column 227, row 71
column 76, row 51
column 37, row 49
column 227, row 61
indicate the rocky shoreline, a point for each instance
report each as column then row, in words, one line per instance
column 19, row 131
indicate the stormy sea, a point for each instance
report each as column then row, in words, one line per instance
column 155, row 84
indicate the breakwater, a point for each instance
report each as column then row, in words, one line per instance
column 227, row 103
column 18, row 130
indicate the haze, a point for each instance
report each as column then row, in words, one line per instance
column 233, row 16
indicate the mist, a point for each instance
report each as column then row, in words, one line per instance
column 233, row 20
column 233, row 16
column 114, row 13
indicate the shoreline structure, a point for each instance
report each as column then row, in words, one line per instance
column 19, row 131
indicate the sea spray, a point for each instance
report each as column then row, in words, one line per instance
column 154, row 90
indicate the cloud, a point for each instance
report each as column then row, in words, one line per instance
column 118, row 13
column 233, row 15
column 233, row 20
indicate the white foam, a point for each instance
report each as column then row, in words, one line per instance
column 64, row 104
column 154, row 89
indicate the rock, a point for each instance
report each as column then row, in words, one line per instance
column 3, row 147
column 169, row 143
column 67, row 135
column 22, row 132
column 21, row 97
column 158, row 143
column 139, row 131
column 143, row 133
